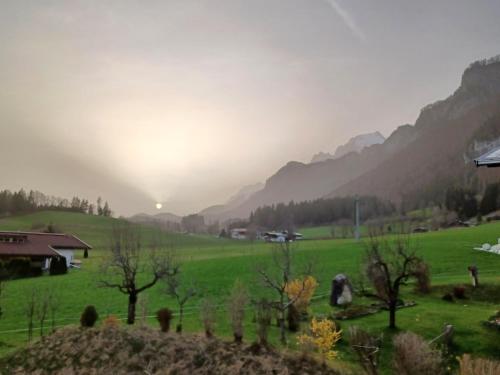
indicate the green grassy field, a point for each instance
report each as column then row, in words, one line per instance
column 213, row 264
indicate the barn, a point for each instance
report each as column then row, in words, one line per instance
column 40, row 248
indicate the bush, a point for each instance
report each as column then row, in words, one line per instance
column 58, row 266
column 448, row 297
column 323, row 337
column 302, row 290
column 208, row 315
column 459, row 292
column 111, row 321
column 89, row 316
column 20, row 267
column 478, row 366
column 51, row 228
column 423, row 278
column 164, row 317
column 263, row 318
column 236, row 308
column 414, row 356
column 366, row 347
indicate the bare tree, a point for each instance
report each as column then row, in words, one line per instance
column 30, row 308
column 126, row 261
column 176, row 289
column 42, row 308
column 388, row 268
column 54, row 302
column 277, row 280
column 263, row 318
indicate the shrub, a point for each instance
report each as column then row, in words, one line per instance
column 448, row 297
column 478, row 366
column 323, row 337
column 51, row 228
column 236, row 307
column 423, row 278
column 20, row 267
column 58, row 266
column 111, row 321
column 367, row 348
column 89, row 316
column 302, row 291
column 414, row 356
column 207, row 315
column 263, row 318
column 459, row 292
column 164, row 317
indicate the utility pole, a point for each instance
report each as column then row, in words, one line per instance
column 356, row 208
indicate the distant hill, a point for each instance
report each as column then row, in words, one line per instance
column 222, row 211
column 414, row 161
column 160, row 217
column 355, row 144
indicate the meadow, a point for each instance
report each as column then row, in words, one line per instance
column 213, row 264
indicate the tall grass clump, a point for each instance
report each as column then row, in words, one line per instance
column 414, row 356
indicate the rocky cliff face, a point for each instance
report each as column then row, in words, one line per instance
column 355, row 144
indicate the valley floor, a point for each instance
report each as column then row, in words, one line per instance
column 214, row 264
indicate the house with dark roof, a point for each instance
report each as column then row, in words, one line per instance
column 40, row 248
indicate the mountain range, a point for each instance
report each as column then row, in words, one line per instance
column 355, row 144
column 415, row 163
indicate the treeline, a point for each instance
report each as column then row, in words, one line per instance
column 319, row 211
column 468, row 203
column 17, row 202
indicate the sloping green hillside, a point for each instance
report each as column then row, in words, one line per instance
column 93, row 229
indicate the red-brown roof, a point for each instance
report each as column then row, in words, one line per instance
column 37, row 244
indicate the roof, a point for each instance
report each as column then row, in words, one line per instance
column 38, row 244
column 490, row 159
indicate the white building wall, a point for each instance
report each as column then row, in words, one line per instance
column 69, row 254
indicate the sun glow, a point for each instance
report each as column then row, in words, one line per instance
column 158, row 206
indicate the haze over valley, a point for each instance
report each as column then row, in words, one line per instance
column 185, row 104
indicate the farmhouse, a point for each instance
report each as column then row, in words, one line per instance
column 282, row 236
column 40, row 248
column 238, row 233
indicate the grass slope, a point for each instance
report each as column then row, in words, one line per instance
column 214, row 264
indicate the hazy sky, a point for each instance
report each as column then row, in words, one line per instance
column 186, row 101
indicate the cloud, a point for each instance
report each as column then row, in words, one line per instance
column 348, row 19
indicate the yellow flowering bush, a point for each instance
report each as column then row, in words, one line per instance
column 323, row 337
column 301, row 291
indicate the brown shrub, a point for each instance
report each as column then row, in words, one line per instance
column 263, row 318
column 111, row 321
column 423, row 277
column 414, row 356
column 478, row 366
column 237, row 301
column 367, row 348
column 208, row 311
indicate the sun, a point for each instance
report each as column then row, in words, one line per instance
column 159, row 206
